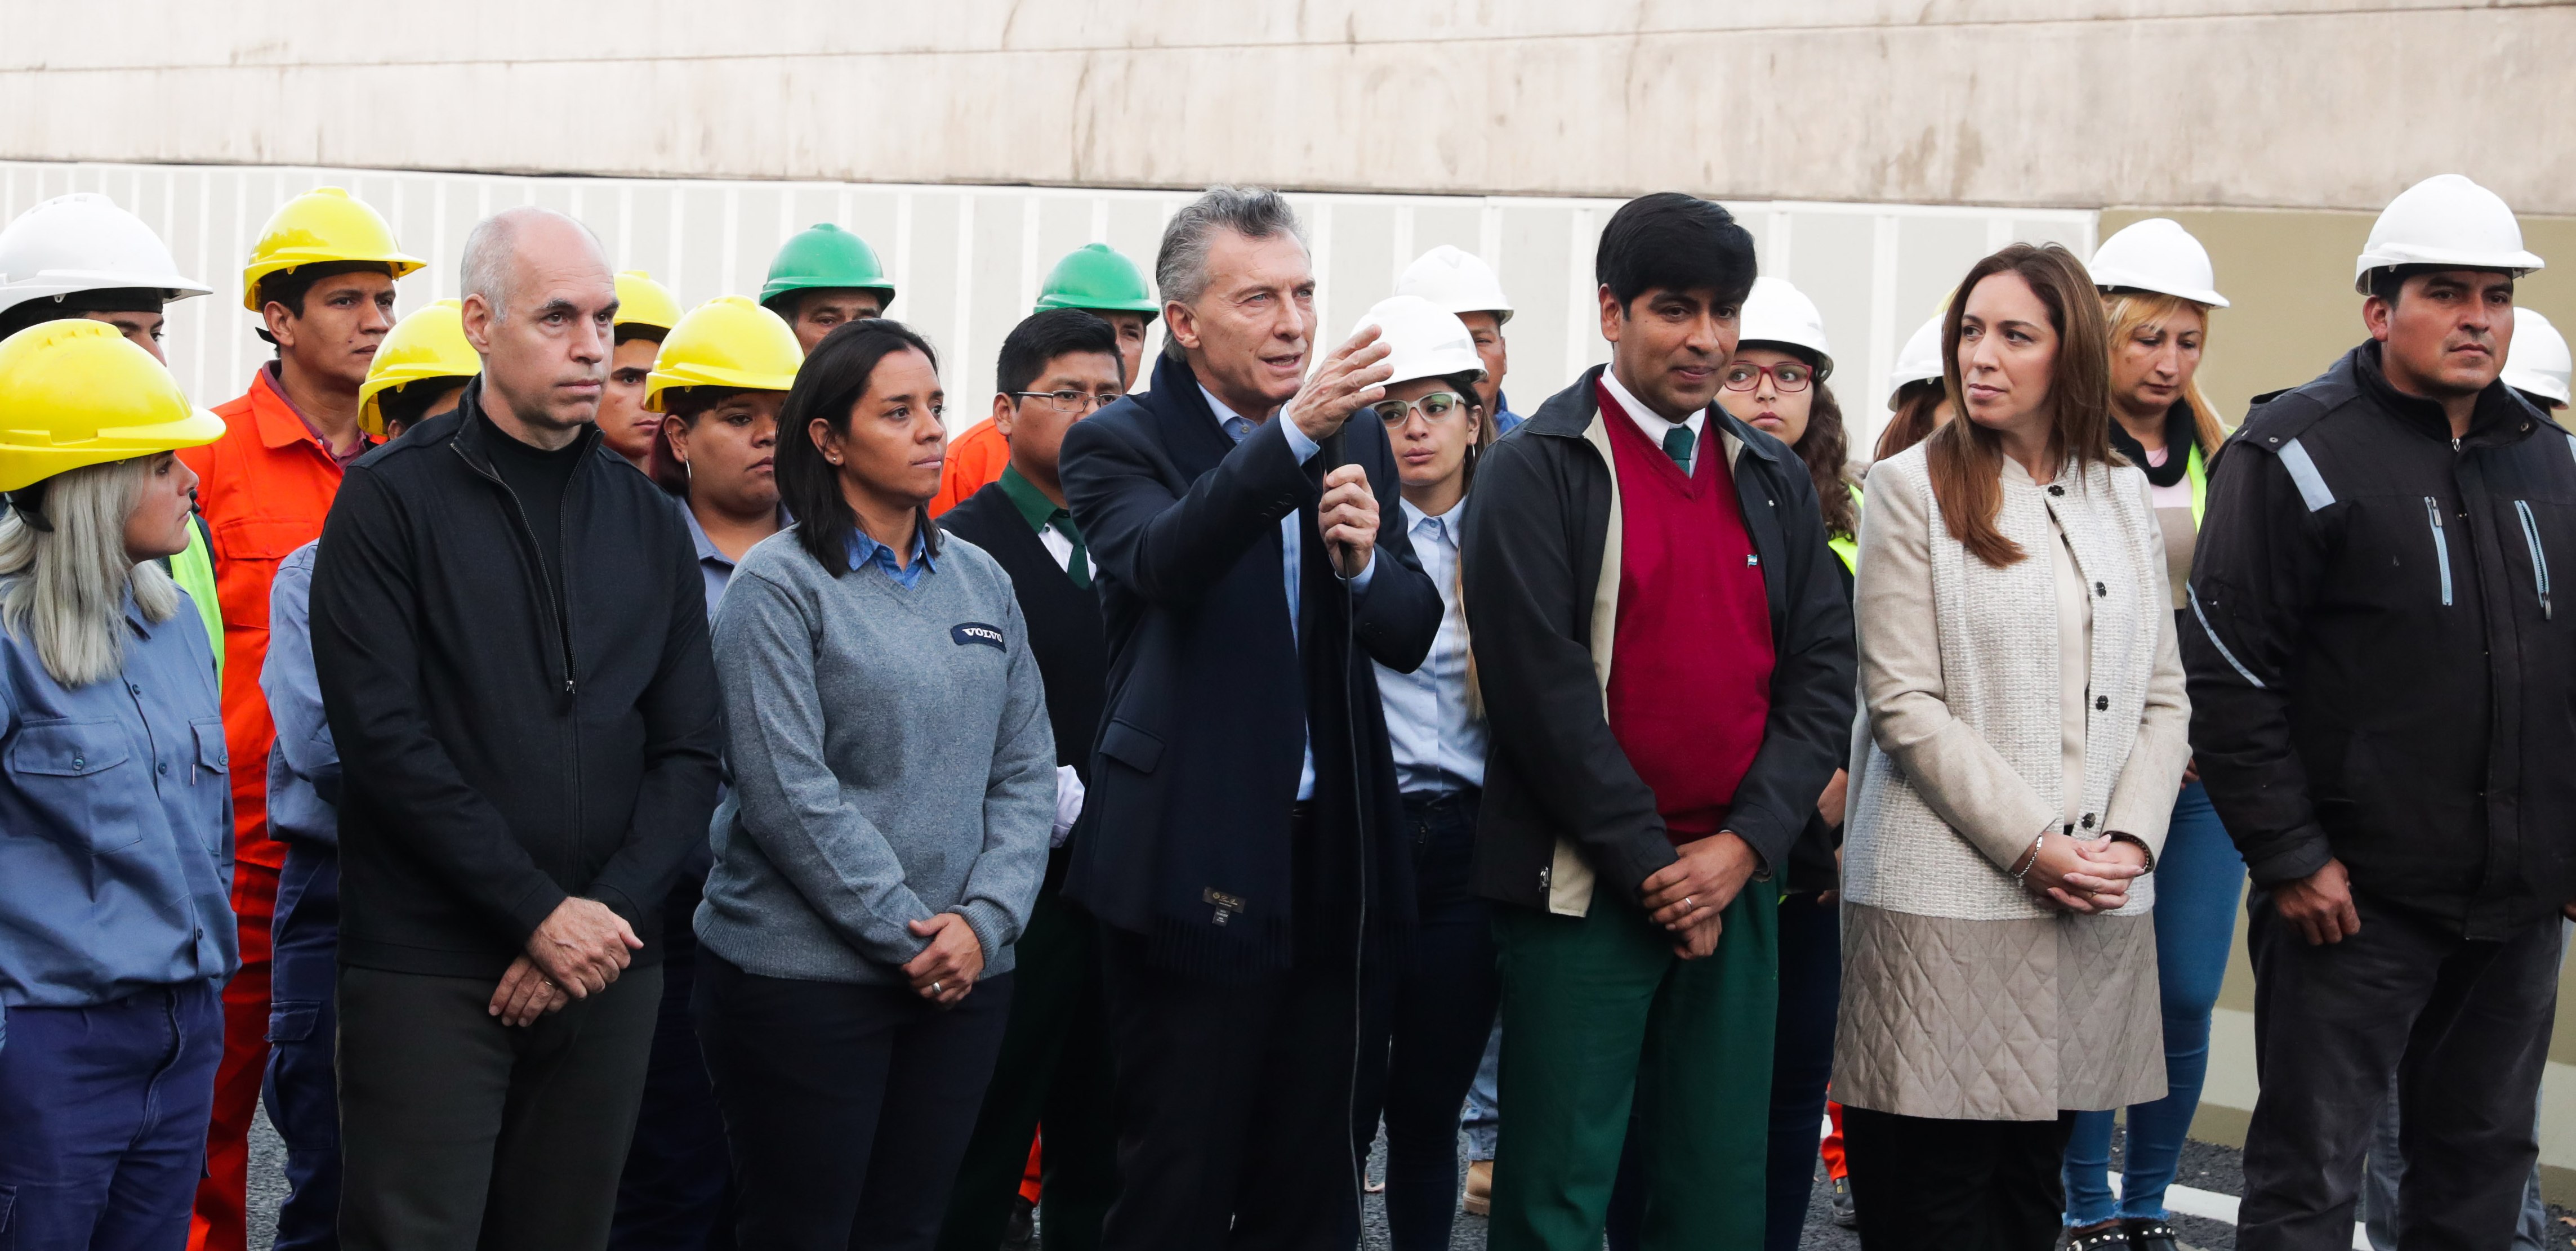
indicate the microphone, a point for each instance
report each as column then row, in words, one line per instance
column 1330, row 450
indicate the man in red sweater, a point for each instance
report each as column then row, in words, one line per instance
column 1667, row 666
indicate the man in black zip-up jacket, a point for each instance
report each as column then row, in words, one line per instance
column 510, row 632
column 2383, row 709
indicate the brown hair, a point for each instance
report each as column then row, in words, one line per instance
column 2127, row 312
column 1964, row 459
column 1917, row 406
column 1824, row 447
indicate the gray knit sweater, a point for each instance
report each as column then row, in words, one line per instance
column 890, row 759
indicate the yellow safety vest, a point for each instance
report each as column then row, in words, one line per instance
column 2197, row 470
column 194, row 570
column 1847, row 546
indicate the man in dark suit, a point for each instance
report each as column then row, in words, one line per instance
column 1238, row 844
column 1057, row 367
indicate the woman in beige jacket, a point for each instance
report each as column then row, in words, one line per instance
column 2025, row 735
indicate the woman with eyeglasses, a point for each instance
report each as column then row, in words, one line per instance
column 1776, row 384
column 1423, row 1034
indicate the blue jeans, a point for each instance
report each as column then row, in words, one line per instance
column 2199, row 879
column 299, row 1087
column 105, row 1111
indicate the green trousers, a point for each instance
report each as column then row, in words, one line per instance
column 1600, row 1016
column 1054, row 1068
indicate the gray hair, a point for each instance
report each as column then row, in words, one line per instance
column 64, row 590
column 1180, row 268
column 487, row 270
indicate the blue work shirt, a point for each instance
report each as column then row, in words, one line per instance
column 1439, row 745
column 116, row 822
column 865, row 551
column 713, row 565
column 1292, row 546
column 303, row 763
column 1505, row 420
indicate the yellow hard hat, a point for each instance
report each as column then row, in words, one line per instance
column 76, row 393
column 324, row 226
column 430, row 344
column 726, row 342
column 644, row 302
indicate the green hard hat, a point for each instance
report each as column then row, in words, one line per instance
column 1098, row 276
column 825, row 256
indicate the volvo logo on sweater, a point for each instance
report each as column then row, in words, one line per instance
column 966, row 632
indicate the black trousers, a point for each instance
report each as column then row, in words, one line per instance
column 459, row 1132
column 846, row 1106
column 1054, row 1068
column 1925, row 1184
column 677, row 1191
column 2463, row 1026
column 1426, row 1028
column 1234, row 1098
column 1802, row 1059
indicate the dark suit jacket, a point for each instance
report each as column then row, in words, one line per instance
column 1186, row 835
column 1065, row 634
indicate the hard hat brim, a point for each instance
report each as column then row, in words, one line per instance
column 396, row 264
column 22, row 467
column 1150, row 309
column 2112, row 280
column 2393, row 256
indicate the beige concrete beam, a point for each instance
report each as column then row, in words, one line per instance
column 2300, row 103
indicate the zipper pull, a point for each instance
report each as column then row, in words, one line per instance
column 568, row 685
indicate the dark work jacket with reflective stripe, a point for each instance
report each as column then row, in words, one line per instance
column 2380, row 672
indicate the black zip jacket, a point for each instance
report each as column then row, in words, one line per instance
column 2379, row 673
column 1532, row 552
column 501, row 750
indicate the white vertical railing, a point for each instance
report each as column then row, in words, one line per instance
column 1874, row 289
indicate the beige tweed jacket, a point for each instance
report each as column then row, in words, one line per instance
column 1963, row 998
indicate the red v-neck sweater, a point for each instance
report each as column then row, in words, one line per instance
column 1690, row 666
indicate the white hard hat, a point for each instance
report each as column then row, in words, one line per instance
column 2157, row 255
column 1919, row 362
column 1423, row 340
column 2448, row 221
column 1777, row 312
column 84, row 242
column 1456, row 281
column 2538, row 361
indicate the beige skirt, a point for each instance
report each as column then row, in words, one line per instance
column 1997, row 1020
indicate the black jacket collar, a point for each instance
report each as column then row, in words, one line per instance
column 1569, row 413
column 2499, row 418
column 2181, row 432
column 474, row 430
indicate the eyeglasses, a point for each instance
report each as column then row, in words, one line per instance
column 1070, row 401
column 1437, row 407
column 1789, row 377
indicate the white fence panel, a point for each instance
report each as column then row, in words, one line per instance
column 966, row 260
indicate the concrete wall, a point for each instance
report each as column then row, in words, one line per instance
column 2068, row 103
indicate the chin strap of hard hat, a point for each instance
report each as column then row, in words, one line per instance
column 29, row 503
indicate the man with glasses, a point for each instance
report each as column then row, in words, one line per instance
column 1057, row 367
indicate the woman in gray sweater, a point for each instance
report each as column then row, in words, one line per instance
column 893, row 785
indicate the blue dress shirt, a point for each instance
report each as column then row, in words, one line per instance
column 1439, row 746
column 1292, row 545
column 116, row 822
column 865, row 551
column 303, row 763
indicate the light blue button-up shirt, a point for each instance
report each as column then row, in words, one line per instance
column 1292, row 546
column 303, row 762
column 865, row 551
column 116, row 822
column 1439, row 746
column 714, row 566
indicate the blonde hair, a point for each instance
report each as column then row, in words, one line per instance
column 2132, row 311
column 64, row 589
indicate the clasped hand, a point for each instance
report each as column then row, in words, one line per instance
column 2084, row 875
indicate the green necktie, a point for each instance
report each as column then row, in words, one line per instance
column 1677, row 444
column 1079, row 568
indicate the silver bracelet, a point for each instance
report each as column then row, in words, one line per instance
column 2030, row 857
